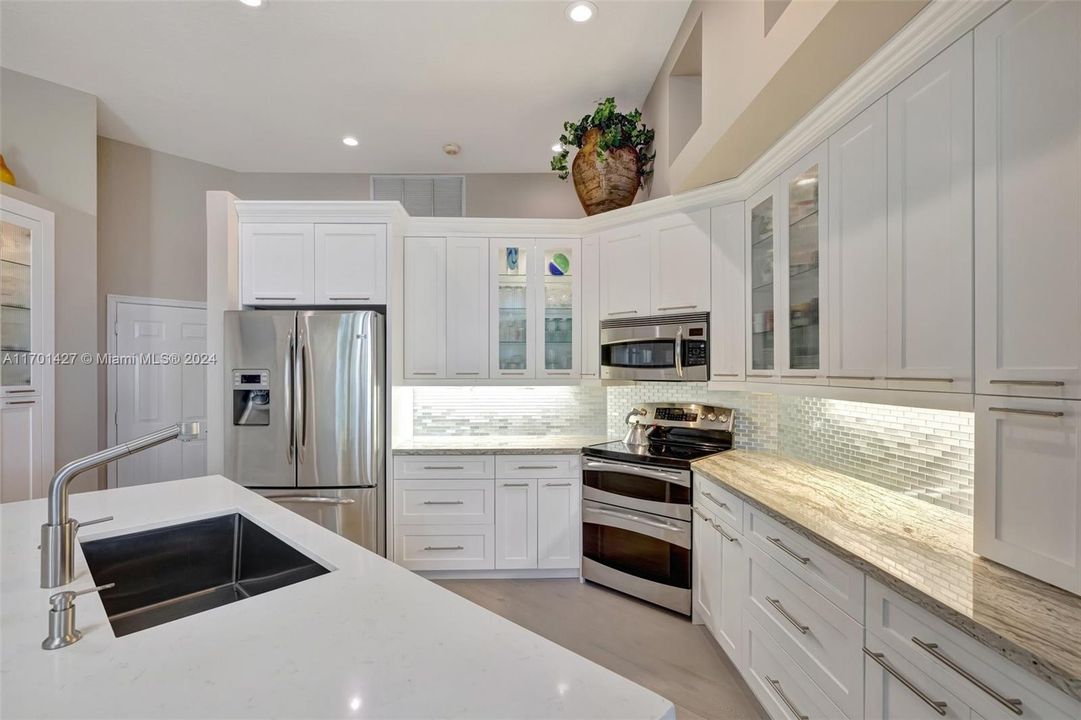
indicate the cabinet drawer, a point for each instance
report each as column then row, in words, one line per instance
column 722, row 503
column 836, row 580
column 897, row 690
column 825, row 642
column 445, row 547
column 444, row 466
column 961, row 664
column 537, row 466
column 441, row 502
column 783, row 689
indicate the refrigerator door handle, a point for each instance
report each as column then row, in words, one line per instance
column 290, row 362
column 299, row 399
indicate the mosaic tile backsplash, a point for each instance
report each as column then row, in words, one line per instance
column 549, row 410
column 926, row 454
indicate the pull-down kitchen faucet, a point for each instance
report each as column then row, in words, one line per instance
column 58, row 534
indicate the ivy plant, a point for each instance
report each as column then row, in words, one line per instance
column 617, row 130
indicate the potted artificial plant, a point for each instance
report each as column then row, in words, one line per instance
column 613, row 158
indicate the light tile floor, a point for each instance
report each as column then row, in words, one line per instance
column 653, row 647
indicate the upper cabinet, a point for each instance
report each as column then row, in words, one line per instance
column 726, row 321
column 591, row 327
column 350, row 264
column 513, row 308
column 296, row 264
column 277, row 263
column 625, row 272
column 1028, row 185
column 425, row 313
column 680, row 263
column 559, row 303
column 761, row 219
column 467, row 308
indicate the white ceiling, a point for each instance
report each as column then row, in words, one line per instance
column 274, row 89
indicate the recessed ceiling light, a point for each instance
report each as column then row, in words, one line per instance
column 581, row 11
column 452, row 149
column 558, row 147
column 349, row 140
column 254, row 3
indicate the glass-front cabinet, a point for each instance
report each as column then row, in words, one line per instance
column 786, row 275
column 536, row 307
column 20, row 318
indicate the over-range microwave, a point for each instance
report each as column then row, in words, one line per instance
column 669, row 348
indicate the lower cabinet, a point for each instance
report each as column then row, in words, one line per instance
column 22, row 471
column 559, row 523
column 896, row 690
column 718, row 580
column 516, row 524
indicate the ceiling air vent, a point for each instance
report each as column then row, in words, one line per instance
column 423, row 195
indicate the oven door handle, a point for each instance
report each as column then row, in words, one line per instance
column 677, row 478
column 635, row 518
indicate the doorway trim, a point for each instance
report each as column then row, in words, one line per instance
column 111, row 303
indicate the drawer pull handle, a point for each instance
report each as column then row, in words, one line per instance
column 27, row 390
column 515, row 484
column 424, row 373
column 537, row 467
column 1020, row 411
column 1011, row 704
column 349, row 297
column 920, row 379
column 444, row 467
column 785, row 614
column 713, row 525
column 623, row 312
column 275, row 297
column 797, row 377
column 790, row 551
column 1035, row 383
column 719, row 502
column 776, row 685
column 444, row 502
column 20, row 402
column 558, row 484
column 444, row 547
column 851, row 377
column 936, row 705
column 725, row 374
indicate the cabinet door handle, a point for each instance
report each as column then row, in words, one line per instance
column 1021, row 411
column 1011, row 704
column 920, row 379
column 713, row 525
column 537, row 467
column 786, row 615
column 725, row 374
column 349, row 297
column 16, row 392
column 1035, row 383
column 761, row 375
column 852, row 377
column 623, row 312
column 515, row 484
column 443, row 502
column 790, row 551
column 444, row 547
column 807, row 377
column 677, row 307
column 558, row 484
column 504, row 372
column 275, row 297
column 553, row 372
column 937, row 706
column 20, row 402
column 466, row 373
column 776, row 685
column 444, row 467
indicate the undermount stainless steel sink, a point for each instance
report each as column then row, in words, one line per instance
column 179, row 570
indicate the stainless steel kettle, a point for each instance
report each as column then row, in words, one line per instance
column 637, row 434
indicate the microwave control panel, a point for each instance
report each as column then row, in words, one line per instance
column 694, row 353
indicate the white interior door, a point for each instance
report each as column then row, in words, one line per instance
column 151, row 394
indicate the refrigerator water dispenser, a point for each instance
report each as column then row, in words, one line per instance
column 251, row 397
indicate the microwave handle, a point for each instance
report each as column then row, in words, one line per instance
column 679, row 351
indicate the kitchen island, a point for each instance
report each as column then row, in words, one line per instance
column 368, row 639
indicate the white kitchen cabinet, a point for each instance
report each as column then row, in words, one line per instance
column 513, row 309
column 1027, row 218
column 930, row 226
column 1027, row 512
column 23, row 474
column 425, row 314
column 706, row 576
column 762, row 295
column 858, row 250
column 557, row 284
column 591, row 310
column 895, row 689
column 719, row 575
column 350, row 264
column 727, row 342
column 516, row 524
column 277, row 263
column 467, row 332
column 559, row 523
column 803, row 328
column 680, row 263
column 625, row 272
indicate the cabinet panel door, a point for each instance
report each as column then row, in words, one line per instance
column 625, row 272
column 762, row 293
column 802, row 327
column 513, row 309
column 559, row 523
column 278, row 263
column 888, row 697
column 425, row 317
column 1027, row 214
column 515, row 524
column 467, row 308
column 680, row 263
column 728, row 615
column 558, row 307
column 858, row 257
column 350, row 264
column 706, row 559
column 727, row 342
column 930, row 225
column 591, row 310
column 22, row 476
column 25, row 292
column 1027, row 511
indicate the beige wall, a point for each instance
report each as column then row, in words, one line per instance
column 48, row 136
column 536, row 195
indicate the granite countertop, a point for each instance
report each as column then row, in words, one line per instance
column 920, row 550
column 496, row 444
column 369, row 639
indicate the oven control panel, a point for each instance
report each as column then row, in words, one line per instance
column 689, row 415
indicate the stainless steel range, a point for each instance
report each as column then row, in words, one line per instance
column 636, row 500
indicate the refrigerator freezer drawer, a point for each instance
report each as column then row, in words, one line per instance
column 354, row 513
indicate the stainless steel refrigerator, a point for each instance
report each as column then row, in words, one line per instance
column 305, row 415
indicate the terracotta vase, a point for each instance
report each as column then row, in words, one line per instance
column 5, row 172
column 608, row 184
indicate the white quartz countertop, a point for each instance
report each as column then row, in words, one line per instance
column 369, row 639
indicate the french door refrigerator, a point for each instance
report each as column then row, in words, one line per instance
column 304, row 421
